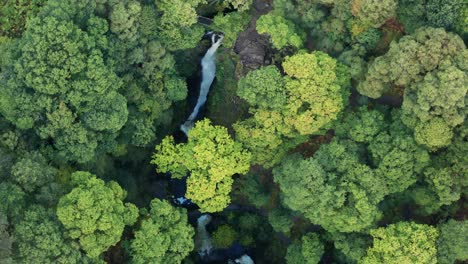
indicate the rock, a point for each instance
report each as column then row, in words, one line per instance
column 253, row 48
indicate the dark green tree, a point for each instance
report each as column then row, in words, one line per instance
column 451, row 244
column 39, row 238
column 308, row 250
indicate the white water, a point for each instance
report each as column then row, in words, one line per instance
column 208, row 74
column 203, row 239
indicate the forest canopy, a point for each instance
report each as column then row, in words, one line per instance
column 319, row 131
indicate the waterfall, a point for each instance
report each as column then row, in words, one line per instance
column 208, row 74
column 203, row 239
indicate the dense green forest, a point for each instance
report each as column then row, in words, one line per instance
column 334, row 132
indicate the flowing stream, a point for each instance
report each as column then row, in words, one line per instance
column 208, row 74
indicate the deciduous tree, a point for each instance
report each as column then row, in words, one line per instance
column 211, row 157
column 94, row 213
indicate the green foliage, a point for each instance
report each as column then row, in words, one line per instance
column 240, row 5
column 361, row 126
column 352, row 246
column 451, row 244
column 263, row 88
column 94, row 213
column 415, row 55
column 6, row 241
column 445, row 180
column 429, row 64
column 403, row 242
column 67, row 92
column 231, row 24
column 446, row 14
column 308, row 250
column 224, row 236
column 13, row 200
column 282, row 31
column 164, row 235
column 32, row 172
column 39, row 238
column 250, row 188
column 177, row 26
column 315, row 88
column 211, row 156
column 14, row 15
column 333, row 190
column 374, row 12
column 280, row 220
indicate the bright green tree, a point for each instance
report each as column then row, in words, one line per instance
column 308, row 250
column 177, row 25
column 403, row 242
column 282, row 31
column 231, row 24
column 164, row 235
column 94, row 213
column 211, row 157
column 286, row 110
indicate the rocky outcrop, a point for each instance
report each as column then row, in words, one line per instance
column 253, row 48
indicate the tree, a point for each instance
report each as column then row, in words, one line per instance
column 409, row 60
column 94, row 213
column 372, row 12
column 286, row 111
column 280, row 220
column 352, row 247
column 361, row 125
column 308, row 250
column 32, row 172
column 263, row 88
column 403, row 242
column 332, row 189
column 61, row 70
column 39, row 237
column 231, row 24
column 15, row 14
column 6, row 241
column 451, row 244
column 447, row 14
column 211, row 157
column 224, row 236
column 164, row 235
column 435, row 105
column 429, row 65
column 178, row 28
column 445, row 180
column 13, row 200
column 282, row 31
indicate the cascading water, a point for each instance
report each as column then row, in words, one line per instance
column 203, row 239
column 208, row 74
